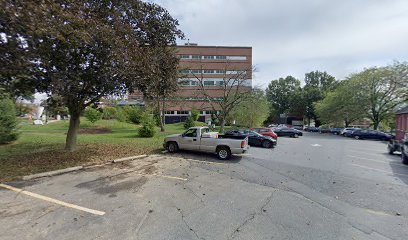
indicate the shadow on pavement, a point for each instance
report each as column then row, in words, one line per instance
column 399, row 170
column 206, row 157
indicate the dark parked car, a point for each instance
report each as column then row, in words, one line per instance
column 347, row 131
column 371, row 134
column 291, row 132
column 336, row 131
column 254, row 138
column 324, row 130
column 312, row 129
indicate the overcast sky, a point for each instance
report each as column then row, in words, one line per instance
column 292, row 37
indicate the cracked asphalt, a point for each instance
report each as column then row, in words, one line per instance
column 314, row 187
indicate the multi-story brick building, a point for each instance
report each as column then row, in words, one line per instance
column 209, row 66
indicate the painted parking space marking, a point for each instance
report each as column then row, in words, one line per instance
column 164, row 176
column 52, row 200
column 379, row 170
column 374, row 160
column 374, row 154
column 316, row 145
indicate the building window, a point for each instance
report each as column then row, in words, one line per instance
column 209, row 83
column 196, row 57
column 193, row 83
column 221, row 57
column 220, row 71
column 220, row 83
column 195, row 71
column 184, row 112
column 208, row 71
column 236, row 57
column 209, row 57
column 169, row 112
column 184, row 56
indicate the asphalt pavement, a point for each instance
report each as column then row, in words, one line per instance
column 317, row 186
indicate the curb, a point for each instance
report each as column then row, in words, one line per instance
column 129, row 158
column 52, row 173
column 72, row 169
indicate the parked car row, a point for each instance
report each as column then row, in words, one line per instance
column 356, row 133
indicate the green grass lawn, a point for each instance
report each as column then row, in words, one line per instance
column 41, row 147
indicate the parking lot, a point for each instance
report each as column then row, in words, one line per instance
column 314, row 187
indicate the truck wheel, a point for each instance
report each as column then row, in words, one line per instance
column 223, row 153
column 266, row 144
column 404, row 157
column 172, row 147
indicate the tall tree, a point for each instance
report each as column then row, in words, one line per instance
column 253, row 111
column 163, row 82
column 232, row 90
column 317, row 85
column 84, row 50
column 381, row 90
column 280, row 94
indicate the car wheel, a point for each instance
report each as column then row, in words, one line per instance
column 356, row 137
column 295, row 135
column 390, row 149
column 223, row 153
column 172, row 147
column 266, row 144
column 404, row 157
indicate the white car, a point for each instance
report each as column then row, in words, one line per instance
column 201, row 139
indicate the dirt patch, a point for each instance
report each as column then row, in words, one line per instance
column 94, row 130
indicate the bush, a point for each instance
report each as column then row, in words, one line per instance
column 134, row 115
column 109, row 113
column 189, row 123
column 92, row 115
column 8, row 121
column 148, row 126
column 195, row 114
column 120, row 115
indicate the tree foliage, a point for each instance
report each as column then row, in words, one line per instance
column 8, row 121
column 93, row 115
column 253, row 111
column 148, row 127
column 82, row 50
column 280, row 93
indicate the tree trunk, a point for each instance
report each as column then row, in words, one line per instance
column 375, row 124
column 162, row 118
column 222, row 125
column 70, row 143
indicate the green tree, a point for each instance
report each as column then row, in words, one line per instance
column 148, row 127
column 280, row 94
column 8, row 121
column 92, row 115
column 83, row 50
column 108, row 113
column 317, row 85
column 189, row 122
column 195, row 114
column 340, row 107
column 253, row 111
column 381, row 90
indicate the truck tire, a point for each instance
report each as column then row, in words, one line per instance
column 172, row 147
column 223, row 153
column 404, row 157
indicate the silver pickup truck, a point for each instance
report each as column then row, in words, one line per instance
column 202, row 139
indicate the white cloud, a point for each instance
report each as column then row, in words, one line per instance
column 297, row 36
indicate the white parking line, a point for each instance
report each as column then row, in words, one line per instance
column 379, row 170
column 365, row 152
column 52, row 200
column 373, row 160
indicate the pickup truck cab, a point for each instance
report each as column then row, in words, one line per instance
column 203, row 140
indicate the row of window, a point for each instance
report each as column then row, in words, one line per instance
column 211, row 71
column 188, row 112
column 213, row 57
column 212, row 82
